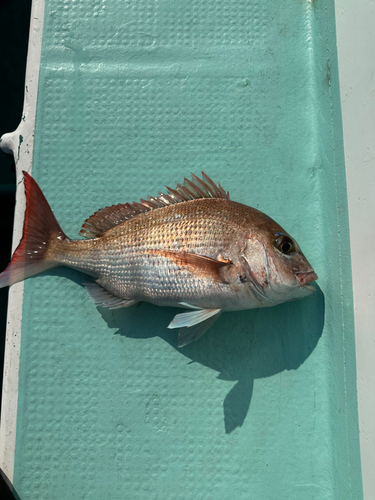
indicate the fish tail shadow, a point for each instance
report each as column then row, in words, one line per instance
column 237, row 403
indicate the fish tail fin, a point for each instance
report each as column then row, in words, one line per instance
column 34, row 253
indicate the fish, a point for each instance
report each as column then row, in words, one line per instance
column 192, row 248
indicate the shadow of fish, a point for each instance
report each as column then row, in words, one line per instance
column 192, row 248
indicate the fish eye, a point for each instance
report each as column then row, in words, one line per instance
column 285, row 245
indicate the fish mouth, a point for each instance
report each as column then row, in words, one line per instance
column 305, row 278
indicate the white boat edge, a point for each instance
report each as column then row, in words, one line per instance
column 21, row 144
column 355, row 33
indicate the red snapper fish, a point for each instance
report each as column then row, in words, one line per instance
column 192, row 248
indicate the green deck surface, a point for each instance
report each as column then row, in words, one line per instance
column 134, row 95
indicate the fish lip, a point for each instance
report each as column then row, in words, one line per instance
column 305, row 278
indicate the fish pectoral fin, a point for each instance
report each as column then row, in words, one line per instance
column 103, row 298
column 199, row 265
column 193, row 324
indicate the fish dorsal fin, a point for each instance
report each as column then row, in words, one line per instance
column 108, row 217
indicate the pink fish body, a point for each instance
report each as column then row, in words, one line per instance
column 192, row 248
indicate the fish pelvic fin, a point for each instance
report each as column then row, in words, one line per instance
column 34, row 253
column 106, row 218
column 194, row 324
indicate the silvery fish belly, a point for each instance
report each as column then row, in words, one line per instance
column 192, row 248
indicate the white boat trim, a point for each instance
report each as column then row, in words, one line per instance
column 355, row 43
column 21, row 144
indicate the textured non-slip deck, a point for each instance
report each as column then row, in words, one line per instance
column 136, row 94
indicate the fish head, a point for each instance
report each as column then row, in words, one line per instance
column 278, row 269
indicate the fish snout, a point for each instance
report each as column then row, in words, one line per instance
column 306, row 278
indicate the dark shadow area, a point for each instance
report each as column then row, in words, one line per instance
column 241, row 346
column 6, row 489
column 14, row 33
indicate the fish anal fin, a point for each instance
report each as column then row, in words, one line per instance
column 109, row 217
column 103, row 298
column 199, row 265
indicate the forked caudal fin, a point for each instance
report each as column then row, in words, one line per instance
column 33, row 255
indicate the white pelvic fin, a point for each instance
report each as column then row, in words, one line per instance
column 102, row 298
column 188, row 334
column 189, row 306
column 192, row 318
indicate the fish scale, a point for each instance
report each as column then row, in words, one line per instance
column 192, row 248
column 156, row 275
column 123, row 254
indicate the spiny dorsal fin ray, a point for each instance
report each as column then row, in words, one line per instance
column 108, row 217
